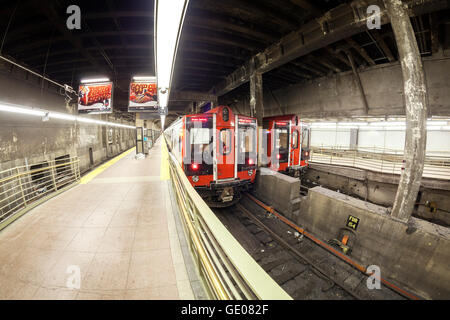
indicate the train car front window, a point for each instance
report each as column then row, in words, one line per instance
column 225, row 141
column 295, row 139
column 199, row 147
column 305, row 138
column 283, row 139
column 247, row 149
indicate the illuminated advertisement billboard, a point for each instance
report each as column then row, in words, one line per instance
column 94, row 98
column 143, row 96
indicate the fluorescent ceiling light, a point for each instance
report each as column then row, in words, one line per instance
column 387, row 123
column 352, row 124
column 168, row 24
column 436, row 123
column 163, row 99
column 94, row 80
column 62, row 116
column 29, row 111
column 138, row 78
column 323, row 125
column 57, row 115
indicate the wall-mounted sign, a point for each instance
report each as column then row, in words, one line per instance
column 95, row 98
column 352, row 222
column 143, row 96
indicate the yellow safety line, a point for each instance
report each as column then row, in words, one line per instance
column 91, row 175
column 165, row 173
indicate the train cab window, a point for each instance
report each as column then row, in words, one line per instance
column 295, row 139
column 305, row 138
column 225, row 144
column 283, row 139
column 199, row 139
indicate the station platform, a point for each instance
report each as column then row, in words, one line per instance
column 113, row 236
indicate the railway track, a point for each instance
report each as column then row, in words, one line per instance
column 301, row 267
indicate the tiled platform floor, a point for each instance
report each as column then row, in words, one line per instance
column 117, row 230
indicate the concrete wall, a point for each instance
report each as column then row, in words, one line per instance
column 28, row 140
column 381, row 188
column 438, row 142
column 414, row 255
column 282, row 192
column 338, row 95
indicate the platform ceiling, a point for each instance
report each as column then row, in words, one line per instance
column 116, row 40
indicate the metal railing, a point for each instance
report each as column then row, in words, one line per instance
column 22, row 187
column 381, row 160
column 225, row 267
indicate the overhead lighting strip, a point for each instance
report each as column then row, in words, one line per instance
column 169, row 17
column 57, row 115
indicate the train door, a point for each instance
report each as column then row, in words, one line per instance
column 281, row 145
column 224, row 158
column 295, row 146
column 305, row 145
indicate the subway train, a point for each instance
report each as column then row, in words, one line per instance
column 218, row 152
column 286, row 142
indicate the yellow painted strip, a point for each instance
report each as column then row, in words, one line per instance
column 165, row 173
column 91, row 175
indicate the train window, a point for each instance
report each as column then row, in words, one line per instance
column 305, row 138
column 295, row 139
column 248, row 143
column 283, row 139
column 225, row 141
column 199, row 135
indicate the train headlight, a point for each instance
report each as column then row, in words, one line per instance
column 250, row 172
column 195, row 178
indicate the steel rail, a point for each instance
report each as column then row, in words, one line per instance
column 301, row 257
column 338, row 254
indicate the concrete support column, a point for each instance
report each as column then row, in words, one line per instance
column 256, row 96
column 415, row 94
column 257, row 106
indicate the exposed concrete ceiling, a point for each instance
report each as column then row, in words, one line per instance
column 218, row 38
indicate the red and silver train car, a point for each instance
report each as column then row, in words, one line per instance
column 218, row 152
column 287, row 143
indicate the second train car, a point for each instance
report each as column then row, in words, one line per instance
column 287, row 143
column 218, row 152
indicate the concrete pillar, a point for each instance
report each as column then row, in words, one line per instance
column 256, row 96
column 257, row 106
column 415, row 94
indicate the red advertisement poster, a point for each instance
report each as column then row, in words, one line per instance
column 143, row 96
column 95, row 98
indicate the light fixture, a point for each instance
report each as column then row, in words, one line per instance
column 352, row 124
column 49, row 115
column 94, row 80
column 323, row 125
column 143, row 78
column 168, row 24
column 28, row 111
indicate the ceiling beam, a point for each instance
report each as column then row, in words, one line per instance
column 191, row 96
column 50, row 12
column 338, row 56
column 339, row 23
column 309, row 68
column 324, row 62
column 362, row 52
column 379, row 39
column 304, row 4
column 211, row 21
